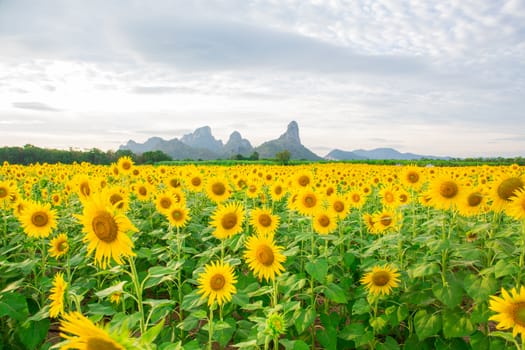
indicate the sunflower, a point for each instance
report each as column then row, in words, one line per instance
column 307, row 202
column 369, row 221
column 118, row 197
column 412, row 176
column 263, row 257
column 143, row 191
column 56, row 199
column 125, row 165
column 58, row 246
column 339, row 206
column 195, row 182
column 276, row 324
column 445, row 191
column 178, row 215
column 472, row 202
column 85, row 335
column 303, row 180
column 84, row 187
column 217, row 189
column 164, row 201
column 357, row 199
column 38, row 220
column 386, row 220
column 503, row 189
column 263, row 221
column 516, row 208
column 57, row 296
column 106, row 231
column 381, row 280
column 227, row 220
column 324, row 222
column 277, row 191
column 217, row 282
column 388, row 195
column 510, row 310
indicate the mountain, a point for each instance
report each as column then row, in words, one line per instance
column 202, row 138
column 201, row 144
column 237, row 145
column 377, row 153
column 289, row 141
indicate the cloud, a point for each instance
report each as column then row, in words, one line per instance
column 159, row 90
column 36, row 106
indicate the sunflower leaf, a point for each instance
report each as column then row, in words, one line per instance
column 317, row 269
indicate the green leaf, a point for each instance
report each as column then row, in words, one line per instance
column 14, row 305
column 423, row 270
column 149, row 336
column 113, row 289
column 101, row 309
column 300, row 345
column 352, row 331
column 505, row 268
column 389, row 344
column 480, row 288
column 223, row 331
column 317, row 269
column 360, row 307
column 328, row 338
column 426, row 325
column 480, row 341
column 335, row 293
column 34, row 334
column 451, row 294
column 304, row 319
column 455, row 325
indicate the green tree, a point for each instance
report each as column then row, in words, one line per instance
column 283, row 157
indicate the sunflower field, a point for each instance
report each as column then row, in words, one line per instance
column 316, row 256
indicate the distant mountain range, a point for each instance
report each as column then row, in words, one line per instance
column 202, row 145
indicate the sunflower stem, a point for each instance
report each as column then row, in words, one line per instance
column 210, row 328
column 275, row 292
column 180, row 243
column 138, row 291
column 522, row 254
column 43, row 268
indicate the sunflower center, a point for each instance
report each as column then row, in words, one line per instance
column 413, row 177
column 309, row 201
column 196, row 181
column 3, row 192
column 229, row 221
column 265, row 255
column 165, row 203
column 448, row 189
column 84, row 189
column 126, row 165
column 380, row 278
column 386, row 220
column 252, row 188
column 265, row 220
column 303, row 180
column 177, row 215
column 389, row 197
column 356, row 198
column 94, row 343
column 323, row 220
column 39, row 219
column 105, row 227
column 175, row 183
column 217, row 282
column 474, row 199
column 278, row 190
column 339, row 206
column 507, row 187
column 143, row 191
column 63, row 247
column 519, row 314
column 403, row 198
column 218, row 188
column 115, row 198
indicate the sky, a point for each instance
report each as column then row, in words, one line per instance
column 442, row 78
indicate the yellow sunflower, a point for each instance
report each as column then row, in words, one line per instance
column 195, row 182
column 7, row 190
column 58, row 246
column 503, row 189
column 178, row 215
column 217, row 282
column 164, row 201
column 118, row 197
column 263, row 257
column 227, row 220
column 83, row 334
column 339, row 206
column 381, row 280
column 324, row 222
column 472, row 202
column 516, row 207
column 125, row 165
column 357, row 199
column 57, row 296
column 263, row 221
column 106, row 231
column 307, row 202
column 369, row 221
column 386, row 220
column 217, row 189
column 38, row 220
column 143, row 191
column 277, row 191
column 412, row 176
column 388, row 195
column 445, row 192
column 510, row 309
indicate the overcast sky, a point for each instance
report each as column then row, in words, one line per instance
column 440, row 77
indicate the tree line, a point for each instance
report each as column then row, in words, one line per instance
column 30, row 154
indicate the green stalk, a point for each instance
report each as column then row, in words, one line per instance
column 138, row 291
column 210, row 328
